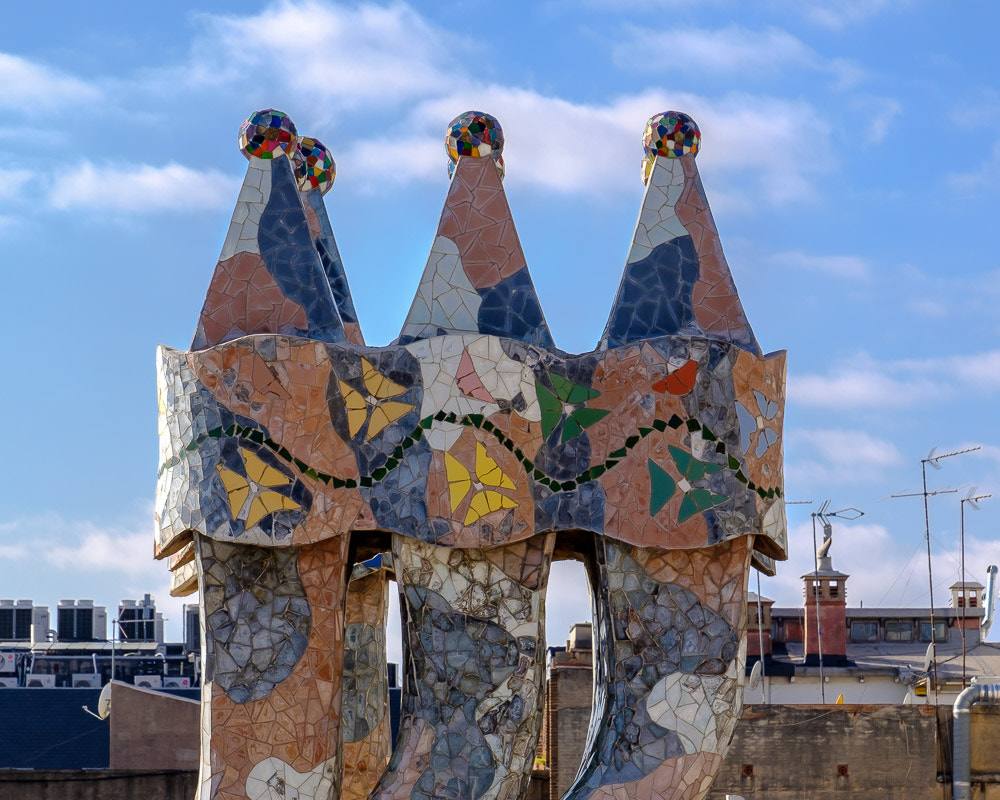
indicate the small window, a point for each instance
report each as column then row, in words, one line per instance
column 899, row 630
column 864, row 631
column 940, row 631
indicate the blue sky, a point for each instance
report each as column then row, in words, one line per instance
column 851, row 154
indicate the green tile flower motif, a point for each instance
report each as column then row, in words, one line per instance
column 567, row 402
column 663, row 486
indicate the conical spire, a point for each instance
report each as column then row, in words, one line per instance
column 676, row 278
column 269, row 278
column 316, row 171
column 476, row 279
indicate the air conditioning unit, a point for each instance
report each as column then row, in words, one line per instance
column 149, row 681
column 41, row 682
column 176, row 683
column 8, row 683
column 86, row 680
column 8, row 662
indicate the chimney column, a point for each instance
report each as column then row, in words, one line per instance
column 826, row 591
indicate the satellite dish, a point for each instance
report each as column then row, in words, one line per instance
column 755, row 676
column 104, row 702
column 840, row 699
column 908, row 700
column 929, row 657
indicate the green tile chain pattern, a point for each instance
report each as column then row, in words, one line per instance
column 686, row 463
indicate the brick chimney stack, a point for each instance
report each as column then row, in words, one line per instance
column 758, row 627
column 968, row 595
column 825, row 589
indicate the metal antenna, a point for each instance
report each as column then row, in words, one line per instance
column 760, row 643
column 760, row 616
column 933, row 459
column 973, row 500
column 823, row 516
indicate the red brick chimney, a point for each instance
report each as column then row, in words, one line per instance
column 825, row 590
column 968, row 596
column 758, row 626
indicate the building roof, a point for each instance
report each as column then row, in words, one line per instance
column 882, row 612
column 906, row 660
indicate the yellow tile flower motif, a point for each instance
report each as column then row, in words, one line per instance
column 262, row 501
column 488, row 473
column 383, row 411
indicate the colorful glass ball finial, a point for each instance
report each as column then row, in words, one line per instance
column 268, row 134
column 671, row 134
column 477, row 135
column 314, row 166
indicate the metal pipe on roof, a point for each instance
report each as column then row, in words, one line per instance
column 991, row 601
column 961, row 788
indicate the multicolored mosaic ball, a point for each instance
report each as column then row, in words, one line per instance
column 475, row 134
column 314, row 166
column 267, row 134
column 671, row 134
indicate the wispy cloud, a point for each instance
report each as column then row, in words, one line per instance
column 881, row 113
column 140, row 189
column 865, row 383
column 392, row 61
column 822, row 456
column 979, row 370
column 864, row 386
column 320, row 53
column 733, row 50
column 892, row 572
column 841, row 266
column 984, row 177
column 784, row 172
column 30, row 88
column 841, row 14
column 104, row 562
column 11, row 183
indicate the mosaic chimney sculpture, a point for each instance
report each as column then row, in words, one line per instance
column 470, row 453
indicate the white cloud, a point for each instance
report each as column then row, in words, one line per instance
column 853, row 267
column 864, row 383
column 13, row 552
column 979, row 370
column 33, row 88
column 11, row 183
column 57, row 557
column 991, row 452
column 733, row 50
column 822, row 456
column 320, row 53
column 730, row 50
column 124, row 549
column 394, row 64
column 607, row 157
column 880, row 119
column 884, row 570
column 928, row 307
column 95, row 549
column 839, row 14
column 985, row 177
column 864, row 386
column 139, row 189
